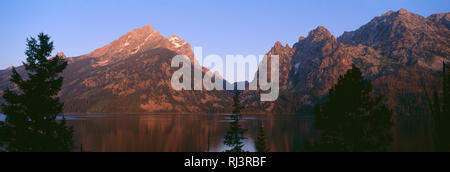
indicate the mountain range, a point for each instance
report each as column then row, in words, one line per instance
column 399, row 51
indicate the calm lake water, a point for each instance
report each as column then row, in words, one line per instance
column 203, row 133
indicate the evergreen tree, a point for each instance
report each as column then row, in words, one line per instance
column 353, row 119
column 261, row 140
column 31, row 111
column 235, row 134
column 444, row 143
column 440, row 113
column 237, row 107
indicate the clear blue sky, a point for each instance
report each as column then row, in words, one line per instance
column 226, row 27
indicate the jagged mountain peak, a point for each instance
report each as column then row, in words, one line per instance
column 174, row 37
column 396, row 41
column 278, row 44
column 146, row 27
column 402, row 11
column 399, row 12
column 389, row 27
column 441, row 18
column 144, row 30
column 61, row 54
column 321, row 29
column 177, row 41
column 301, row 38
column 412, row 36
column 285, row 56
column 138, row 41
column 319, row 34
column 402, row 14
column 317, row 38
column 128, row 44
column 278, row 48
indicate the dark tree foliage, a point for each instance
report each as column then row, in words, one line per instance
column 352, row 120
column 235, row 134
column 261, row 140
column 441, row 113
column 31, row 111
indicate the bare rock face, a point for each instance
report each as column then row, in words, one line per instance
column 441, row 18
column 138, row 41
column 320, row 59
column 251, row 98
column 285, row 56
column 132, row 75
column 397, row 51
column 315, row 51
column 404, row 37
column 140, row 83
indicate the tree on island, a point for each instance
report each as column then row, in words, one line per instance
column 353, row 119
column 31, row 110
column 261, row 140
column 235, row 134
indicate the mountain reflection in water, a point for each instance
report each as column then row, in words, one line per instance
column 184, row 133
column 203, row 133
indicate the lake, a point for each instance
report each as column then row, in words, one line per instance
column 205, row 132
column 191, row 133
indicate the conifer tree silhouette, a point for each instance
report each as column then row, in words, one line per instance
column 235, row 135
column 31, row 110
column 353, row 120
column 261, row 140
column 441, row 112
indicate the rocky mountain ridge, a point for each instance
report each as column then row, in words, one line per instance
column 392, row 50
column 399, row 51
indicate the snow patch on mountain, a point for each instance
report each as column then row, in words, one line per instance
column 176, row 41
